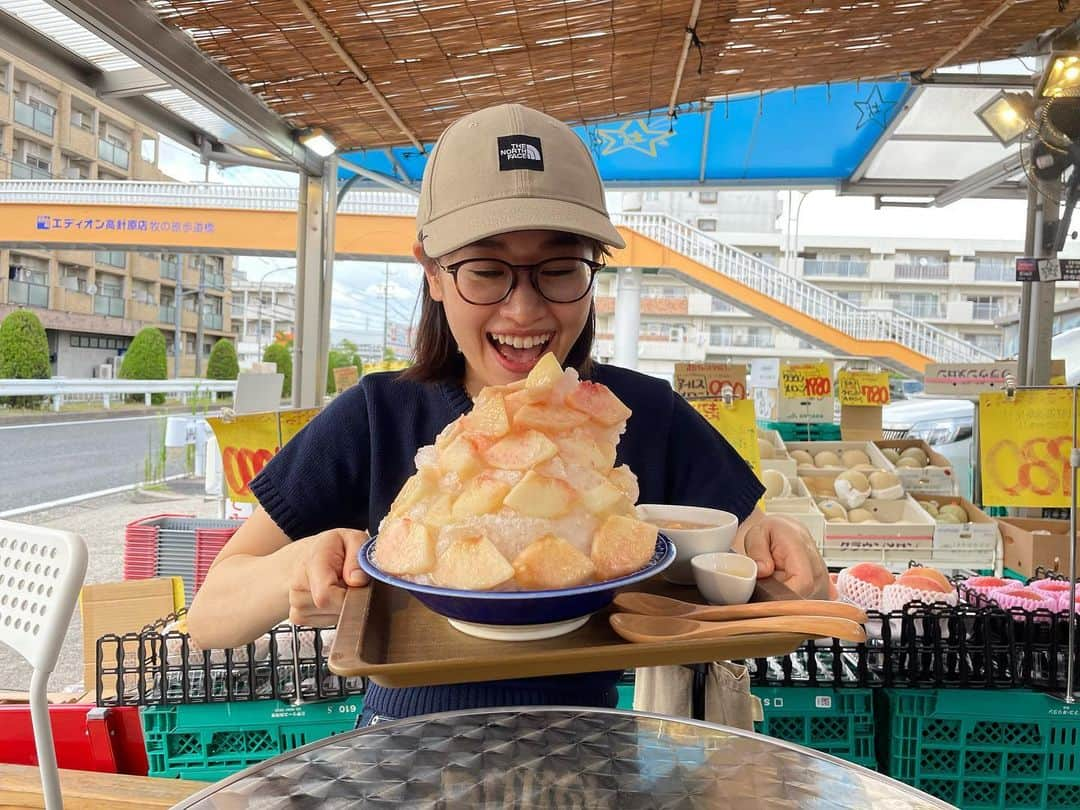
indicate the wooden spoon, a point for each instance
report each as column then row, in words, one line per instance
column 653, row 604
column 633, row 627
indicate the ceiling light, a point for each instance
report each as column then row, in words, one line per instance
column 1062, row 77
column 317, row 141
column 1007, row 115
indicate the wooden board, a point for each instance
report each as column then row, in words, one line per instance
column 386, row 635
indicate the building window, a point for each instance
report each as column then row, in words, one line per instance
column 113, row 258
column 659, row 291
column 652, row 196
column 986, row 307
column 706, row 224
column 922, row 266
column 917, row 305
column 707, row 197
column 987, row 342
column 741, row 336
column 995, row 268
column 839, row 266
column 720, row 305
column 853, row 297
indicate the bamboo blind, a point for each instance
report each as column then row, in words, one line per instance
column 579, row 60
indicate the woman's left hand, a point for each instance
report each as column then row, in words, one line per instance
column 784, row 547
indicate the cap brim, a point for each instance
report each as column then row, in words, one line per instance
column 493, row 217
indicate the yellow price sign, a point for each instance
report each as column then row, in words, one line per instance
column 293, row 421
column 862, row 388
column 806, row 380
column 1024, row 446
column 736, row 423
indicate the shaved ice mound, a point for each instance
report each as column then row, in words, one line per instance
column 862, row 584
column 521, row 493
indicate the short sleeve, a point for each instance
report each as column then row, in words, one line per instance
column 704, row 469
column 320, row 479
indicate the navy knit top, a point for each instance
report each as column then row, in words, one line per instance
column 345, row 468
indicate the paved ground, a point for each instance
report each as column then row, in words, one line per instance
column 101, row 522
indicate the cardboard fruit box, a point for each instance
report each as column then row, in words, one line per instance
column 813, row 448
column 1031, row 543
column 980, row 533
column 799, row 506
column 902, row 525
column 936, row 479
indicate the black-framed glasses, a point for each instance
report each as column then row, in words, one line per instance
column 561, row 280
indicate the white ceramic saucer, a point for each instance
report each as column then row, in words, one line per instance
column 519, row 632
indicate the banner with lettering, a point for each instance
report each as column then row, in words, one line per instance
column 806, row 393
column 1024, row 446
column 737, row 423
column 862, row 388
column 706, row 380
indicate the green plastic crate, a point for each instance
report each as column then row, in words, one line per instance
column 804, row 432
column 839, row 722
column 983, row 750
column 212, row 741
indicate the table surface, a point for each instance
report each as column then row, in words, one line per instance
column 556, row 758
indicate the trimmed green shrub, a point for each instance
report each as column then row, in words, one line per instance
column 146, row 359
column 24, row 354
column 276, row 353
column 344, row 354
column 222, row 364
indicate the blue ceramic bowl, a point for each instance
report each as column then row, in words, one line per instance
column 520, row 607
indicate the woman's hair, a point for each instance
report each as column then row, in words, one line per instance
column 435, row 353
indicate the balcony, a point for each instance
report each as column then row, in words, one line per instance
column 33, row 118
column 114, row 154
column 167, row 314
column 112, row 258
column 742, row 341
column 914, row 271
column 141, row 311
column 931, row 312
column 994, row 271
column 28, row 294
column 109, row 305
column 214, row 279
column 145, row 267
column 985, row 312
column 212, row 320
column 835, row 269
column 75, row 301
column 20, row 171
column 170, row 269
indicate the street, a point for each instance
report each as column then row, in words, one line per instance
column 50, row 461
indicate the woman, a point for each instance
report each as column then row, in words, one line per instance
column 511, row 230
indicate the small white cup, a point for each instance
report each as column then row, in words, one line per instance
column 725, row 578
column 718, row 535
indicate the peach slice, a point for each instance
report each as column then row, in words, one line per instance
column 545, row 373
column 481, row 496
column 548, row 418
column 621, row 546
column 489, row 417
column 448, row 434
column 462, row 456
column 599, row 403
column 551, row 562
column 624, row 479
column 440, row 513
column 584, row 452
column 538, row 496
column 520, row 451
column 471, row 564
column 405, row 547
column 604, row 497
column 423, row 483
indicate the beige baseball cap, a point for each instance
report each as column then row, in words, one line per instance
column 509, row 168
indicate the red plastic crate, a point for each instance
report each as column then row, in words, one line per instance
column 86, row 738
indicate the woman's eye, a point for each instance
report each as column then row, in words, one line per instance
column 486, row 274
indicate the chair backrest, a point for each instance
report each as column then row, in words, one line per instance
column 41, row 572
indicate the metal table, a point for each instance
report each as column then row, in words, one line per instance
column 555, row 758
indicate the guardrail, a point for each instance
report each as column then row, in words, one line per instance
column 58, row 387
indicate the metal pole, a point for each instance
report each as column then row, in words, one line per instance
column 1033, row 218
column 1074, row 463
column 200, row 305
column 178, row 305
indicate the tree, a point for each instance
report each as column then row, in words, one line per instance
column 24, row 354
column 275, row 353
column 222, row 364
column 145, row 359
column 346, row 353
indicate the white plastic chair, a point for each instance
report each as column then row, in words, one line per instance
column 41, row 572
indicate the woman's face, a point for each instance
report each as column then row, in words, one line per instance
column 486, row 334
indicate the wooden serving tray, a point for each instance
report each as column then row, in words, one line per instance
column 385, row 634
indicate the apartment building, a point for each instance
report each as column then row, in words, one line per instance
column 961, row 286
column 92, row 302
column 260, row 310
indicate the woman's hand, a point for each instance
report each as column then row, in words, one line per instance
column 319, row 580
column 784, row 547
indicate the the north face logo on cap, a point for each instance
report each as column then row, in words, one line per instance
column 520, row 152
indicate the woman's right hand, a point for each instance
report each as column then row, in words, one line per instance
column 319, row 580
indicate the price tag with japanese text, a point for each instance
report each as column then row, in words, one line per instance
column 1024, row 446
column 737, row 423
column 862, row 388
column 806, row 380
column 705, row 380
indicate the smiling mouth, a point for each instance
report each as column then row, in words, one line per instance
column 521, row 349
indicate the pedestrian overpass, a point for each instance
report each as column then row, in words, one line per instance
column 240, row 220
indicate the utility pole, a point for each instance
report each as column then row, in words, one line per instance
column 178, row 303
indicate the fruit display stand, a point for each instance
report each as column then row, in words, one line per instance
column 804, row 431
column 834, row 721
column 937, row 478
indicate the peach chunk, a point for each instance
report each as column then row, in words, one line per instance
column 584, row 452
column 604, row 497
column 551, row 562
column 471, row 564
column 481, row 496
column 405, row 547
column 545, row 373
column 548, row 418
column 624, row 479
column 538, row 496
column 489, row 417
column 462, row 457
column 598, row 402
column 621, row 546
column 520, row 451
column 423, row 483
column 439, row 513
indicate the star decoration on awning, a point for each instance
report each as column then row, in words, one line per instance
column 875, row 109
column 636, row 135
